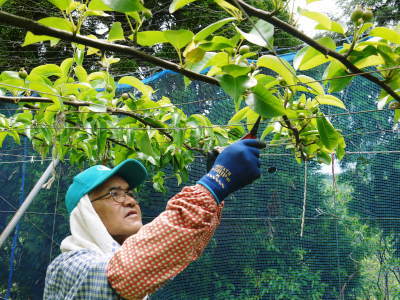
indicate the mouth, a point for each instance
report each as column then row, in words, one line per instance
column 131, row 213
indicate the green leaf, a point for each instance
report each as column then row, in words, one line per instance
column 340, row 151
column 234, row 87
column 178, row 38
column 364, row 28
column 279, row 66
column 314, row 86
column 194, row 55
column 335, row 27
column 151, row 38
column 239, row 116
column 1, row 4
column 334, row 70
column 3, row 135
column 15, row 136
column 66, row 65
column 236, row 70
column 116, row 32
column 260, row 35
column 50, row 112
column 25, row 117
column 31, row 38
column 324, row 157
column 328, row 134
column 124, row 5
column 101, row 137
column 263, row 102
column 158, row 182
column 386, row 33
column 14, row 84
column 144, row 143
column 211, row 46
column 146, row 90
column 266, row 131
column 328, row 100
column 61, row 4
column 202, row 34
column 47, row 71
column 324, row 22
column 308, row 57
column 200, row 65
column 54, row 22
column 369, row 61
column 45, row 91
column 81, row 73
column 59, row 23
column 9, row 75
column 219, row 59
column 98, row 5
column 230, row 9
column 322, row 19
column 177, row 4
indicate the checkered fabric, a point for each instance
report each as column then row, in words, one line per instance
column 78, row 275
column 158, row 252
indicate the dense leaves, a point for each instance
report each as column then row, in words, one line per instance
column 83, row 116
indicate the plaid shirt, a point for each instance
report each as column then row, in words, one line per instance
column 78, row 275
column 146, row 260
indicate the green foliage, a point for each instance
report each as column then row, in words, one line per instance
column 82, row 108
column 279, row 98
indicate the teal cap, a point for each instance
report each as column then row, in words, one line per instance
column 131, row 170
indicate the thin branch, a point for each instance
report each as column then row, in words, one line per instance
column 266, row 16
column 114, row 111
column 295, row 133
column 40, row 29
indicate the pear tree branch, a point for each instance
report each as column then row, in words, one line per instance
column 269, row 17
column 111, row 110
column 40, row 29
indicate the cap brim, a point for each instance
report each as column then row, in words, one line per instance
column 132, row 171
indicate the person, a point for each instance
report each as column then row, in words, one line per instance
column 110, row 254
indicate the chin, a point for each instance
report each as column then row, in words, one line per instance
column 134, row 228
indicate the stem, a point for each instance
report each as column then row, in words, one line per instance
column 295, row 133
column 130, row 26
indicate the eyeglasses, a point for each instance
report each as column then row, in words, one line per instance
column 117, row 194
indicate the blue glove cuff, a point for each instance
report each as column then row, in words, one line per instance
column 217, row 181
column 210, row 190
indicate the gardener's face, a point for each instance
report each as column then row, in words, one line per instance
column 118, row 210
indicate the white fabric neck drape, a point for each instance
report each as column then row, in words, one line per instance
column 88, row 231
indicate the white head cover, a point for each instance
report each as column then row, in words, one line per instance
column 88, row 231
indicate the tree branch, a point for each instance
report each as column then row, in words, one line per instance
column 266, row 16
column 40, row 29
column 295, row 133
column 114, row 111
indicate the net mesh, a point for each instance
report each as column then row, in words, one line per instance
column 349, row 245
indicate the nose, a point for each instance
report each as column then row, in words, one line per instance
column 130, row 201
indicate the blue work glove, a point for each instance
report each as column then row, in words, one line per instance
column 235, row 167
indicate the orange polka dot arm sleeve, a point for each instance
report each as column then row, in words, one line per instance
column 167, row 245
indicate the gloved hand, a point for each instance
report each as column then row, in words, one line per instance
column 235, row 167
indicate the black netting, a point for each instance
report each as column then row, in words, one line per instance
column 350, row 237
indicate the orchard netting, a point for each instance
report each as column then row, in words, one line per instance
column 301, row 231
